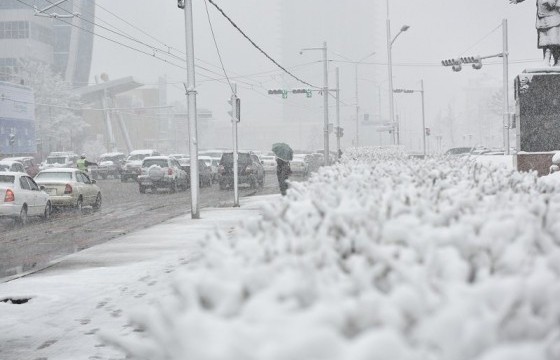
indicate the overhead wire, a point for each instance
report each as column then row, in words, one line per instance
column 257, row 46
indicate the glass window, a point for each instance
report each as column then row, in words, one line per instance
column 24, row 184
column 46, row 176
column 86, row 178
column 17, row 167
column 32, row 184
column 7, row 179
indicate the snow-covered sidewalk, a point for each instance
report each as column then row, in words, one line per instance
column 98, row 288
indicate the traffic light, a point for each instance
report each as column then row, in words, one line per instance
column 454, row 63
column 428, row 131
column 474, row 60
column 339, row 132
column 181, row 4
column 282, row 92
column 12, row 139
column 307, row 92
column 235, row 103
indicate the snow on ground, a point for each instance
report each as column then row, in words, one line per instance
column 379, row 257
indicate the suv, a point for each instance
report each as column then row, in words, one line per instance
column 250, row 170
column 131, row 168
column 161, row 171
column 108, row 164
column 60, row 160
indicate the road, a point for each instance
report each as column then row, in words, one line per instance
column 124, row 210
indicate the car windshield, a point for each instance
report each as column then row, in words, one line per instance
column 109, row 158
column 227, row 158
column 459, row 150
column 151, row 162
column 56, row 160
column 136, row 157
column 63, row 176
column 7, row 179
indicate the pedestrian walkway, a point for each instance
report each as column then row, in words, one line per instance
column 61, row 312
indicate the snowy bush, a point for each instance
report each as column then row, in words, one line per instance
column 380, row 257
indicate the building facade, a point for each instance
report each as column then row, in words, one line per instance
column 66, row 44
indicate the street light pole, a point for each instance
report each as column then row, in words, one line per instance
column 423, row 118
column 191, row 99
column 338, row 113
column 390, row 71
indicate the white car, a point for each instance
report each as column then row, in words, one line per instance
column 21, row 197
column 269, row 163
column 70, row 188
column 11, row 165
column 299, row 166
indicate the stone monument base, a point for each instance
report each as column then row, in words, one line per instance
column 537, row 97
column 536, row 161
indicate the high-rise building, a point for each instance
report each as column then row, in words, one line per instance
column 64, row 43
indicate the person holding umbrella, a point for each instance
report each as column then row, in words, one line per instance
column 283, row 154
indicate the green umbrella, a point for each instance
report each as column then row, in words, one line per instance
column 283, row 151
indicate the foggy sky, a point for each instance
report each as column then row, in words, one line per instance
column 439, row 29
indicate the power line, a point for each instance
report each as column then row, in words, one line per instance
column 217, row 48
column 257, row 47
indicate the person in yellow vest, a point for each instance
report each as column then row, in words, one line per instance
column 83, row 164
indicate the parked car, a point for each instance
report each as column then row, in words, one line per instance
column 204, row 172
column 31, row 167
column 179, row 156
column 109, row 164
column 316, row 161
column 161, row 172
column 269, row 163
column 70, row 188
column 13, row 166
column 133, row 164
column 213, row 168
column 459, row 151
column 250, row 170
column 60, row 160
column 21, row 197
column 299, row 166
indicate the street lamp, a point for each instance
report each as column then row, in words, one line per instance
column 390, row 70
column 424, row 129
column 325, row 98
column 356, row 63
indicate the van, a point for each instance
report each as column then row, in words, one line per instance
column 133, row 164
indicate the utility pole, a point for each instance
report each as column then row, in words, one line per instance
column 191, row 99
column 505, row 58
column 326, row 102
column 234, row 121
column 357, row 108
column 338, row 113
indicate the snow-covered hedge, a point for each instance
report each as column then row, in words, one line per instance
column 380, row 257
